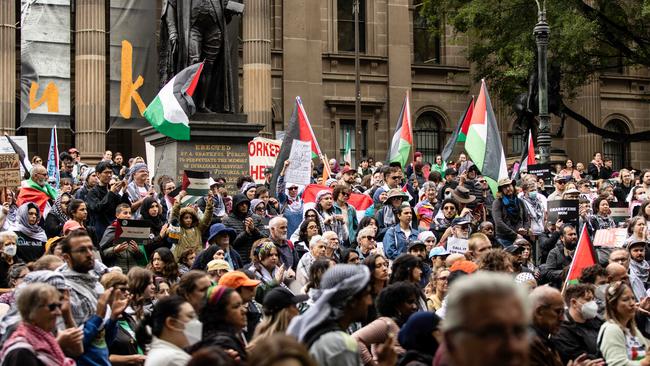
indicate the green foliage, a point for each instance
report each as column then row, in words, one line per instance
column 584, row 39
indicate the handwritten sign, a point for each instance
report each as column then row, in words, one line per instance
column 457, row 245
column 565, row 210
column 9, row 171
column 299, row 171
column 262, row 154
column 613, row 238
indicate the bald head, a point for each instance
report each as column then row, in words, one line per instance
column 39, row 174
column 616, row 272
column 620, row 256
column 542, row 295
column 547, row 306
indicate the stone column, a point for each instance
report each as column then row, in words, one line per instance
column 588, row 104
column 8, row 66
column 90, row 78
column 257, row 63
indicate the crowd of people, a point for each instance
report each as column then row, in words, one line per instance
column 437, row 271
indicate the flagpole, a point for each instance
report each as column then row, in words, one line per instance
column 357, row 71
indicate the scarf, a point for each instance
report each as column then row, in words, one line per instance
column 57, row 210
column 389, row 215
column 641, row 270
column 84, row 291
column 47, row 189
column 22, row 223
column 511, row 205
column 41, row 343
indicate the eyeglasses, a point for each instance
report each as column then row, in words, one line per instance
column 53, row 306
column 261, row 208
column 449, row 208
column 397, row 177
column 482, row 181
column 371, row 238
column 346, row 194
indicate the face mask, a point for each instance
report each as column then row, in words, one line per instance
column 193, row 331
column 589, row 310
column 10, row 250
column 532, row 195
column 642, row 197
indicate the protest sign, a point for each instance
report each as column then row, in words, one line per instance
column 565, row 210
column 457, row 245
column 299, row 171
column 614, row 237
column 620, row 211
column 6, row 148
column 9, row 171
column 137, row 231
column 262, row 153
column 542, row 171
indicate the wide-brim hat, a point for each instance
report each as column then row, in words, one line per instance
column 396, row 192
column 461, row 195
column 504, row 182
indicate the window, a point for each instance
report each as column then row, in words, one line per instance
column 347, row 129
column 618, row 151
column 345, row 26
column 426, row 45
column 428, row 136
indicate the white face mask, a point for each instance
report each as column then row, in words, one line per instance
column 10, row 250
column 589, row 310
column 642, row 197
column 193, row 331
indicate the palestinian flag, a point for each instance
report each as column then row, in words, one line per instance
column 400, row 146
column 30, row 191
column 196, row 184
column 298, row 128
column 359, row 201
column 24, row 160
column 483, row 143
column 169, row 113
column 347, row 152
column 527, row 155
column 583, row 257
column 460, row 133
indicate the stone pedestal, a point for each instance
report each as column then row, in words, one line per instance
column 218, row 144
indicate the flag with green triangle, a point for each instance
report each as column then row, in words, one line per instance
column 400, row 147
column 460, row 133
column 347, row 152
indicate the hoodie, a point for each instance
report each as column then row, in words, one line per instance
column 235, row 220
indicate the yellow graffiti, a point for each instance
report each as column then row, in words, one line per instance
column 50, row 97
column 129, row 89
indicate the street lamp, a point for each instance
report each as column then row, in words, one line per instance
column 542, row 32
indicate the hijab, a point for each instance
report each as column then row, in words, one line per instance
column 155, row 222
column 57, row 209
column 22, row 223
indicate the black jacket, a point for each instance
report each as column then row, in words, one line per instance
column 574, row 339
column 101, row 204
column 555, row 263
column 547, row 242
column 506, row 225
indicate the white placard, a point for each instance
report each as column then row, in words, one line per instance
column 262, row 154
column 456, row 245
column 299, row 171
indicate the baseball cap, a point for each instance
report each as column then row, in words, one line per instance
column 280, row 298
column 514, row 248
column 559, row 178
column 268, row 170
column 451, row 171
column 438, row 252
column 237, row 279
column 217, row 264
column 416, row 243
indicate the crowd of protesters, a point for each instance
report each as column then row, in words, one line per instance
column 437, row 271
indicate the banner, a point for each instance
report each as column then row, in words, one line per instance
column 45, row 63
column 620, row 211
column 133, row 61
column 262, row 153
column 565, row 210
column 613, row 238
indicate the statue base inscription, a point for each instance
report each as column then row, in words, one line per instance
column 218, row 144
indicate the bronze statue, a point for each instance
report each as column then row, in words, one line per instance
column 193, row 31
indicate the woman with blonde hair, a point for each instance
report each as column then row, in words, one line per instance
column 619, row 340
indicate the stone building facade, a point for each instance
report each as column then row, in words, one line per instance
column 305, row 48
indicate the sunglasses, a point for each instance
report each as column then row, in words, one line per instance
column 346, row 194
column 310, row 216
column 482, row 181
column 371, row 238
column 53, row 306
column 397, row 177
column 293, row 188
column 449, row 208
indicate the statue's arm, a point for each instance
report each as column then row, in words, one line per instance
column 170, row 20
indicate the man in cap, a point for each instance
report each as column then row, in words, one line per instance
column 450, row 182
column 217, row 268
column 509, row 213
column 560, row 183
column 571, row 194
column 516, row 250
column 485, row 321
column 459, row 230
column 347, row 177
column 268, row 175
column 281, row 298
column 245, row 286
column 419, row 249
column 639, row 268
column 437, row 257
column 344, row 299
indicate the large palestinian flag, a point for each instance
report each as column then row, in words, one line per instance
column 169, row 113
column 460, row 133
column 527, row 156
column 359, row 201
column 483, row 143
column 583, row 257
column 400, row 146
column 298, row 128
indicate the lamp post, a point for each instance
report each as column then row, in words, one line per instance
column 542, row 32
column 357, row 71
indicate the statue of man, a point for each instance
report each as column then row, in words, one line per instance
column 193, row 31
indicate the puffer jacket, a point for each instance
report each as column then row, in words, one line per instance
column 190, row 238
column 235, row 220
column 125, row 259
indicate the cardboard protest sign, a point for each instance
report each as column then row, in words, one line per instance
column 614, row 237
column 620, row 211
column 299, row 171
column 262, row 153
column 565, row 210
column 457, row 245
column 9, row 171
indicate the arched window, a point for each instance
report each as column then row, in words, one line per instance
column 618, row 151
column 428, row 135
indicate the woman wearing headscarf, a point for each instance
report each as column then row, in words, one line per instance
column 151, row 212
column 89, row 179
column 330, row 216
column 8, row 211
column 138, row 188
column 31, row 237
column 58, row 216
column 420, row 338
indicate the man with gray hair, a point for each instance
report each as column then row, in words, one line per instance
column 333, row 244
column 366, row 241
column 316, row 249
column 486, row 321
column 278, row 227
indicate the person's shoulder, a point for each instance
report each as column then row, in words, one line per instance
column 336, row 342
